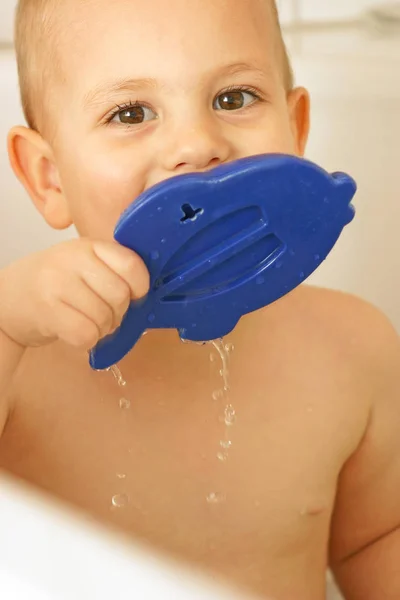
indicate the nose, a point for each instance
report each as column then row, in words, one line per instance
column 196, row 147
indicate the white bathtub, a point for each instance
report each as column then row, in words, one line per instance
column 47, row 553
column 42, row 545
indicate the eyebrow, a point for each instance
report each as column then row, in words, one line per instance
column 102, row 92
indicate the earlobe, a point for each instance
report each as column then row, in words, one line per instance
column 33, row 163
column 299, row 112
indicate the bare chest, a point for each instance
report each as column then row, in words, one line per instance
column 221, row 478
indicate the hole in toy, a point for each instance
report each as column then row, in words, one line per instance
column 190, row 213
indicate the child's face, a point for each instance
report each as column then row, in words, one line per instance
column 194, row 68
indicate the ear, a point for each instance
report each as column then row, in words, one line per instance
column 33, row 163
column 299, row 113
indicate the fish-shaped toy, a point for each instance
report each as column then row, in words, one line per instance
column 227, row 242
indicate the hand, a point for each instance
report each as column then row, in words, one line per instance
column 77, row 292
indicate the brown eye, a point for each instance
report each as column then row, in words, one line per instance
column 234, row 100
column 134, row 115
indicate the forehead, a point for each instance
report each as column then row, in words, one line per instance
column 162, row 39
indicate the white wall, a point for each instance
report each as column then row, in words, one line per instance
column 324, row 10
column 356, row 128
column 7, row 8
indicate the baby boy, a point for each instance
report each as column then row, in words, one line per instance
column 294, row 469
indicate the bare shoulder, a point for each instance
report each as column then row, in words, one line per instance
column 337, row 305
column 344, row 341
column 330, row 338
column 343, row 318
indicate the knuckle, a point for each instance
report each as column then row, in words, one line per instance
column 50, row 284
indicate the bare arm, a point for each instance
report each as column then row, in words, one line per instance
column 365, row 550
column 10, row 356
column 374, row 572
column 76, row 292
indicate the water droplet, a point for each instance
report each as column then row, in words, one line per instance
column 120, row 500
column 212, row 357
column 302, row 275
column 159, row 208
column 217, row 395
column 230, row 415
column 260, row 280
column 279, row 264
column 216, row 498
column 155, row 255
column 222, row 456
column 118, row 376
column 144, row 333
column 292, row 252
column 124, row 404
column 121, row 475
column 220, row 348
column 163, row 241
column 229, row 348
column 317, row 257
column 151, row 318
column 226, row 444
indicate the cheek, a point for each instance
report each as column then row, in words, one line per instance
column 276, row 137
column 98, row 188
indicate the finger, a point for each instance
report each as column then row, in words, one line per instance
column 127, row 264
column 82, row 298
column 108, row 286
column 75, row 328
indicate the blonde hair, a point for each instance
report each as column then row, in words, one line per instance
column 37, row 59
column 36, row 32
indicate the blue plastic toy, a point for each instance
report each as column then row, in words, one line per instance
column 224, row 243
